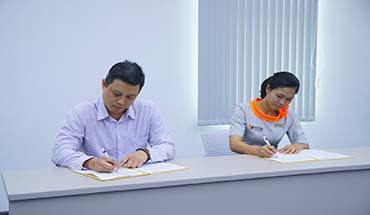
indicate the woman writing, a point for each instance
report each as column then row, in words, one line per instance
column 258, row 126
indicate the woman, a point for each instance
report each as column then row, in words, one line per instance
column 258, row 126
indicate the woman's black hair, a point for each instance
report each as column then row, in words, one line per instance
column 278, row 80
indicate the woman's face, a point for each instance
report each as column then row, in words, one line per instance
column 279, row 97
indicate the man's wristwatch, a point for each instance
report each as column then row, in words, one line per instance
column 146, row 152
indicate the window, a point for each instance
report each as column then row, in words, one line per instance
column 242, row 42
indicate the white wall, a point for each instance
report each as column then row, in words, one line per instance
column 343, row 98
column 54, row 55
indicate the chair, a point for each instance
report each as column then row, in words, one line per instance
column 216, row 144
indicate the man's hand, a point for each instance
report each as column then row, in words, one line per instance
column 135, row 159
column 102, row 164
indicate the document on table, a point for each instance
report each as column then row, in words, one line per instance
column 146, row 169
column 159, row 168
column 307, row 155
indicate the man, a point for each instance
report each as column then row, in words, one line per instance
column 116, row 129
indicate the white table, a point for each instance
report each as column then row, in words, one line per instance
column 237, row 184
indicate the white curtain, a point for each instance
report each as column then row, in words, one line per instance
column 242, row 42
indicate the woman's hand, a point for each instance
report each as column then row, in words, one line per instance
column 265, row 151
column 293, row 148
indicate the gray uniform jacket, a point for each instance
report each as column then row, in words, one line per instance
column 245, row 123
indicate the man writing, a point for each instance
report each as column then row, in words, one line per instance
column 115, row 129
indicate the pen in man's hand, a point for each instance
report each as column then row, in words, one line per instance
column 105, row 153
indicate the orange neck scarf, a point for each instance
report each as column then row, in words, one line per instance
column 282, row 111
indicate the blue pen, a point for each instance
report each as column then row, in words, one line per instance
column 105, row 153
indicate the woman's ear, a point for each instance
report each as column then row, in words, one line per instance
column 268, row 89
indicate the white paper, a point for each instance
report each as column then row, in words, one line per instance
column 322, row 155
column 160, row 167
column 290, row 158
column 307, row 155
column 125, row 172
column 120, row 173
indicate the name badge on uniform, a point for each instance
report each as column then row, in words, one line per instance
column 255, row 128
column 279, row 125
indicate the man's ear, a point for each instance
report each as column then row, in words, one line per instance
column 103, row 84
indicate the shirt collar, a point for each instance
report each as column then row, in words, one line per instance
column 103, row 112
column 131, row 111
column 282, row 112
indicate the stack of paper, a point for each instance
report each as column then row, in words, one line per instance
column 125, row 172
column 307, row 155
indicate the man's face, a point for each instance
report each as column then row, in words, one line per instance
column 118, row 96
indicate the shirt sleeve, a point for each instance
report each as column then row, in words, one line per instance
column 161, row 146
column 295, row 132
column 238, row 121
column 66, row 151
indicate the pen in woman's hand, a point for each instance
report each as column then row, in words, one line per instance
column 268, row 143
column 266, row 140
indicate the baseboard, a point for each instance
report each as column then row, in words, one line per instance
column 4, row 212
